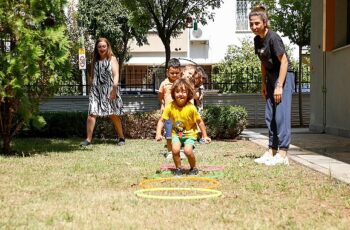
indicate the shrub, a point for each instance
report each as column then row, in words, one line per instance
column 73, row 124
column 59, row 124
column 139, row 125
column 225, row 122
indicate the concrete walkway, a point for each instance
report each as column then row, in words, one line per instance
column 325, row 153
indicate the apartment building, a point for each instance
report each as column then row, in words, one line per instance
column 205, row 46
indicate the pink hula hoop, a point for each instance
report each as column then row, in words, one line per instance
column 205, row 168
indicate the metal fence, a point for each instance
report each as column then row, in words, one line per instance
column 244, row 81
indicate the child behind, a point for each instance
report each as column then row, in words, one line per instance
column 173, row 72
column 188, row 71
column 185, row 119
column 199, row 78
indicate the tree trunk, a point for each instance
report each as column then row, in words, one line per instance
column 299, row 87
column 167, row 51
column 6, row 117
column 6, row 144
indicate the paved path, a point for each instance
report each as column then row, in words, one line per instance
column 322, row 152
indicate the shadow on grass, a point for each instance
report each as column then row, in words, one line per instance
column 27, row 147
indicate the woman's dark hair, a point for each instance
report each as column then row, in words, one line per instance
column 260, row 11
column 183, row 82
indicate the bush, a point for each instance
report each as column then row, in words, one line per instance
column 73, row 124
column 225, row 122
column 58, row 124
column 140, row 125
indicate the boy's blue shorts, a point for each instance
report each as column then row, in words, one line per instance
column 168, row 127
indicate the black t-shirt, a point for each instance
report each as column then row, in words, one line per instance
column 268, row 49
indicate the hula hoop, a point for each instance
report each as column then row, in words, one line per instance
column 214, row 182
column 214, row 174
column 212, row 193
column 205, row 168
column 209, row 174
column 208, row 168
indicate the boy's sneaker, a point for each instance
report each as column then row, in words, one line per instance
column 121, row 142
column 182, row 155
column 178, row 172
column 277, row 159
column 265, row 157
column 201, row 141
column 193, row 172
column 168, row 155
column 85, row 143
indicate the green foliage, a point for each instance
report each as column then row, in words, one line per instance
column 74, row 36
column 110, row 19
column 240, row 70
column 221, row 121
column 291, row 18
column 38, row 122
column 168, row 16
column 73, row 124
column 225, row 122
column 35, row 63
column 58, row 124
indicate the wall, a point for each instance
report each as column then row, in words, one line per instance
column 317, row 96
column 254, row 104
column 330, row 78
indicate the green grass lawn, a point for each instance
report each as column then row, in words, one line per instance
column 57, row 185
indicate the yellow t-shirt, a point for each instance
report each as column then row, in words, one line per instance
column 184, row 119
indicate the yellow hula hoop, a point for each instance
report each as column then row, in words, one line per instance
column 212, row 193
column 215, row 183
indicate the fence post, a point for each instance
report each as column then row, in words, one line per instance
column 301, row 123
column 154, row 82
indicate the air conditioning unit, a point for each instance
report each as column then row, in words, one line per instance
column 198, row 36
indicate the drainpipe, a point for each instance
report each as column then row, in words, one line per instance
column 324, row 92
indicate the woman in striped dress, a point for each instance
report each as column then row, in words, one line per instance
column 104, row 98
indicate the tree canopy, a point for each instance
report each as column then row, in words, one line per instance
column 33, row 58
column 168, row 16
column 292, row 18
column 110, row 19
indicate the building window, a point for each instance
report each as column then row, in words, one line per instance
column 242, row 20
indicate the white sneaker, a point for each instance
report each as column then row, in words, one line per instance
column 182, row 155
column 170, row 155
column 265, row 157
column 277, row 159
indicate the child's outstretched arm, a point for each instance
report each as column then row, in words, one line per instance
column 161, row 96
column 160, row 126
column 203, row 129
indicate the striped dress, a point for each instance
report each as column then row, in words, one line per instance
column 99, row 102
